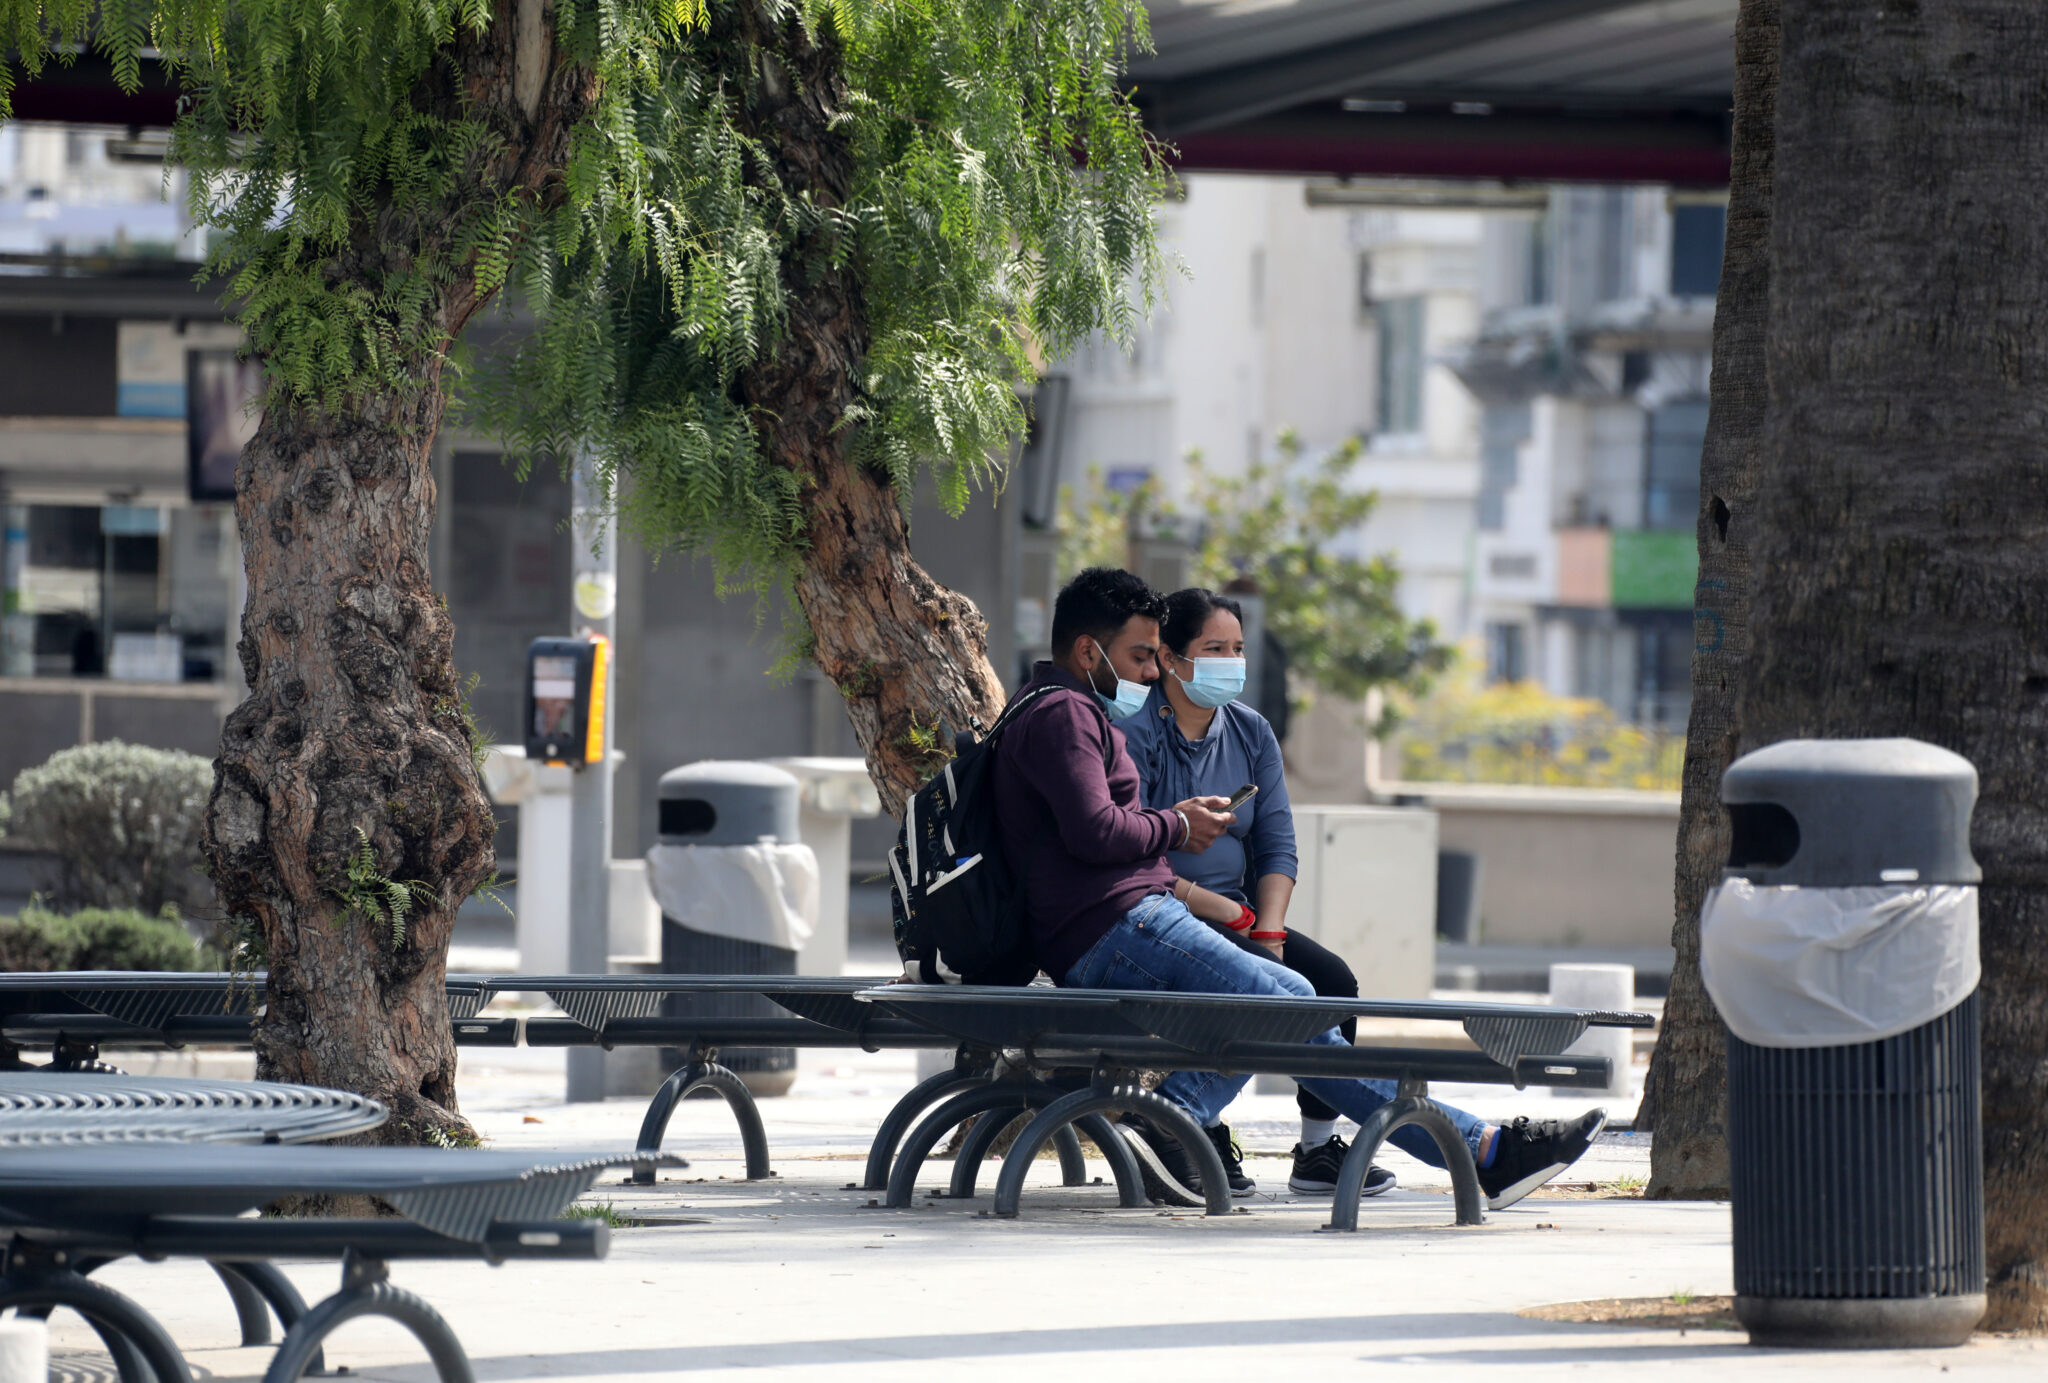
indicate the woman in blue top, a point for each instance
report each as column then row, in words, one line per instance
column 1193, row 738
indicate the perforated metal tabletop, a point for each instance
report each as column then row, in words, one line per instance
column 46, row 1108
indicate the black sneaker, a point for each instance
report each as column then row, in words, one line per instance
column 1170, row 1175
column 1316, row 1170
column 1233, row 1161
column 1529, row 1152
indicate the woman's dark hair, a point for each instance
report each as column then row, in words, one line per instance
column 1098, row 603
column 1187, row 611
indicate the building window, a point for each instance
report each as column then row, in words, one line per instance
column 1617, row 243
column 1663, row 668
column 1538, row 276
column 1507, row 658
column 139, row 594
column 1400, row 334
column 1697, row 233
column 1671, row 464
column 1502, row 430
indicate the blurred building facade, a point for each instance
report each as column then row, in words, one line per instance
column 1590, row 368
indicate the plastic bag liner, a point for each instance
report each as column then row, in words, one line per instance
column 1827, row 967
column 761, row 893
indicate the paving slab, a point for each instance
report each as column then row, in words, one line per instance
column 800, row 1278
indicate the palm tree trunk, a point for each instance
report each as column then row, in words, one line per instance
column 1685, row 1099
column 1901, row 550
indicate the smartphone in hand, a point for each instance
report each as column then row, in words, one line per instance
column 1241, row 796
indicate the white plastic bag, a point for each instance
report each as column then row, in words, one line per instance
column 761, row 893
column 1827, row 967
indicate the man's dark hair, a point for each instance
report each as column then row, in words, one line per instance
column 1187, row 611
column 1098, row 603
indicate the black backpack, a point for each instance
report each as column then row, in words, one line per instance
column 958, row 910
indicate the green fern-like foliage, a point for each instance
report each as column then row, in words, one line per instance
column 1000, row 206
column 365, row 891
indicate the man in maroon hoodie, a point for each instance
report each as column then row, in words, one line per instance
column 1099, row 892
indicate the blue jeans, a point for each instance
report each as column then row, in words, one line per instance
column 1159, row 944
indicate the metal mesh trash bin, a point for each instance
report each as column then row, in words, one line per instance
column 738, row 894
column 1841, row 948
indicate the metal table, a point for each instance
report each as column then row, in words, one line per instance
column 38, row 1108
column 98, row 1166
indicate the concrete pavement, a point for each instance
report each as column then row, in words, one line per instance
column 799, row 1278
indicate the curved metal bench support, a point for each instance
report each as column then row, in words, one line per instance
column 974, row 1151
column 698, row 1075
column 253, row 1305
column 1100, row 1100
column 141, row 1350
column 1073, row 1162
column 276, row 1289
column 985, row 1098
column 922, row 1096
column 367, row 1292
column 1123, row 1163
column 251, row 1311
column 1429, row 1116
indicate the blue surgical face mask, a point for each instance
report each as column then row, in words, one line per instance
column 1217, row 681
column 1129, row 698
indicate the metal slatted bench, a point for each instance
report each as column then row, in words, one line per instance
column 74, row 1013
column 1113, row 1035
column 100, row 1166
column 629, row 1010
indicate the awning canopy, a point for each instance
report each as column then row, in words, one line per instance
column 1574, row 90
column 1540, row 90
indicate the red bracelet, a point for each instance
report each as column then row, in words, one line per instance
column 1245, row 918
column 1267, row 936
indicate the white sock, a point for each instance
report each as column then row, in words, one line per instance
column 1316, row 1132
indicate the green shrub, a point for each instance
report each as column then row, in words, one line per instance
column 123, row 821
column 95, row 939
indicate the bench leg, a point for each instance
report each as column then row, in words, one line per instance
column 1429, row 1116
column 140, row 1348
column 251, row 1311
column 1123, row 1163
column 1073, row 1164
column 1099, row 1100
column 985, row 1098
column 276, row 1289
column 696, row 1076
column 367, row 1291
column 974, row 1148
column 922, row 1096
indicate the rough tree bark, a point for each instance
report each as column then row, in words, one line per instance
column 354, row 719
column 1686, row 1097
column 1901, row 550
column 909, row 656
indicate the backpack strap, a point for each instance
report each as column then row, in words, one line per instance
column 1108, row 744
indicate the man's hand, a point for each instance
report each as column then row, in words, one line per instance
column 1206, row 821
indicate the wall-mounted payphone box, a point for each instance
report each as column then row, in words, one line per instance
column 565, row 699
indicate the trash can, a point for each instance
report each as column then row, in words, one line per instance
column 1841, row 949
column 1457, row 896
column 738, row 894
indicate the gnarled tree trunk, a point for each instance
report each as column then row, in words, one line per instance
column 354, row 728
column 909, row 656
column 1902, row 541
column 1685, row 1101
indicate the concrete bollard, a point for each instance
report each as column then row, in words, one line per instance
column 1604, row 987
column 24, row 1351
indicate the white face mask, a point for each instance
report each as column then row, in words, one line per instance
column 1130, row 696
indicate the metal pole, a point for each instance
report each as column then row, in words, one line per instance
column 590, row 831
